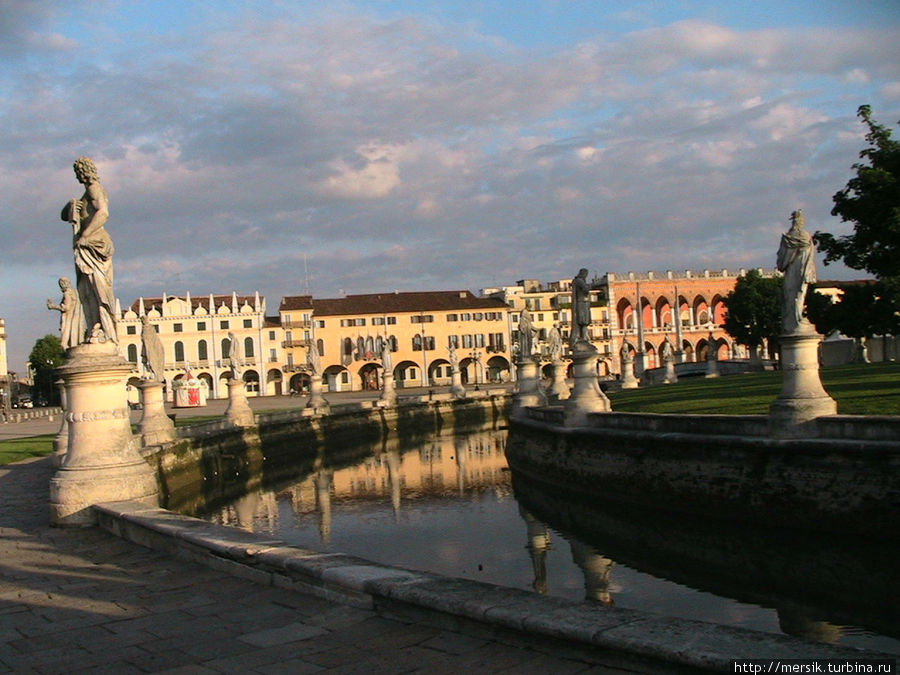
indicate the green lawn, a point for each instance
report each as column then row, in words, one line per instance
column 16, row 449
column 868, row 389
column 859, row 389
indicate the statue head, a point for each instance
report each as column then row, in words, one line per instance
column 145, row 320
column 583, row 272
column 85, row 170
column 797, row 220
column 64, row 284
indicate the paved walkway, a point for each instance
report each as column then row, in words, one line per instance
column 86, row 601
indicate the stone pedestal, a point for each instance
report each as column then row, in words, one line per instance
column 802, row 398
column 155, row 426
column 586, row 396
column 457, row 390
column 559, row 389
column 529, row 394
column 388, row 396
column 316, row 400
column 640, row 364
column 712, row 368
column 238, row 412
column 103, row 462
column 61, row 442
column 629, row 381
column 671, row 377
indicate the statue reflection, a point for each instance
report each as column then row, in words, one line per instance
column 323, row 481
column 596, row 569
column 538, row 545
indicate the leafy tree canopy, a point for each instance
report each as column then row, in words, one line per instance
column 754, row 309
column 871, row 201
column 46, row 355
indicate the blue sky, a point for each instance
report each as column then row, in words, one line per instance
column 425, row 145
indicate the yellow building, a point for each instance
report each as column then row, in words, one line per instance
column 195, row 333
column 420, row 327
column 5, row 388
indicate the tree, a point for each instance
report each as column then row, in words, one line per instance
column 46, row 356
column 871, row 201
column 754, row 309
column 860, row 312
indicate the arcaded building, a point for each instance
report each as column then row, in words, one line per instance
column 419, row 327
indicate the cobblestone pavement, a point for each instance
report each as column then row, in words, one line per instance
column 84, row 601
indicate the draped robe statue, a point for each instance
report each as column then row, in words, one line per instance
column 93, row 250
column 797, row 260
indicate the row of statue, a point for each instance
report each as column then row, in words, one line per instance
column 87, row 310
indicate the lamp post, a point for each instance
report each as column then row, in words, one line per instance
column 475, row 355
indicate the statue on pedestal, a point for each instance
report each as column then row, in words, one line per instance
column 386, row 360
column 555, row 341
column 527, row 332
column 93, row 250
column 796, row 259
column 581, row 307
column 153, row 355
column 235, row 356
column 71, row 322
column 313, row 362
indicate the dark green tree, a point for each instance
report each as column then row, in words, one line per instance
column 754, row 309
column 45, row 357
column 860, row 312
column 871, row 201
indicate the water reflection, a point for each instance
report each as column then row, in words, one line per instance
column 451, row 506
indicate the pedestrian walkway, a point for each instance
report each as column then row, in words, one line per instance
column 85, row 601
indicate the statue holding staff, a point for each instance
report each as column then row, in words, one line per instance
column 93, row 250
column 797, row 260
column 581, row 307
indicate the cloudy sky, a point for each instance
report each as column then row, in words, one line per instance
column 364, row 146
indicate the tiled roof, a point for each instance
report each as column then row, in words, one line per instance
column 390, row 303
column 290, row 302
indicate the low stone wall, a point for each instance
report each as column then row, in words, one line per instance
column 848, row 481
column 22, row 414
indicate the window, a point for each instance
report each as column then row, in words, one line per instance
column 202, row 354
column 479, row 340
column 467, row 341
column 479, row 316
column 132, row 352
column 392, row 320
column 417, row 343
column 453, row 341
column 429, row 342
column 223, row 325
column 345, row 377
column 248, row 323
column 421, row 318
column 131, row 330
column 177, row 327
column 226, row 348
column 201, row 325
column 248, row 347
column 465, row 316
column 377, row 320
column 320, row 346
column 271, row 334
column 320, row 323
column 540, row 317
column 179, row 351
column 453, row 317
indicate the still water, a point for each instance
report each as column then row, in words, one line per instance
column 451, row 506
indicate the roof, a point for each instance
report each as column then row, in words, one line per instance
column 419, row 301
column 290, row 302
column 196, row 301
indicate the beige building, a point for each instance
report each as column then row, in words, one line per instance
column 420, row 327
column 196, row 337
column 5, row 384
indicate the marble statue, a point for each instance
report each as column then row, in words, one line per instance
column 625, row 353
column 454, row 358
column 71, row 323
column 235, row 355
column 713, row 353
column 152, row 353
column 581, row 307
column 667, row 352
column 797, row 260
column 526, row 335
column 93, row 250
column 386, row 361
column 313, row 362
column 555, row 340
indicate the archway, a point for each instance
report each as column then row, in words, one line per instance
column 369, row 379
column 336, row 378
column 625, row 314
column 702, row 350
column 664, row 318
column 408, row 374
column 223, row 385
column 251, row 382
column 650, row 355
column 274, row 380
column 498, row 369
column 701, row 311
column 688, row 350
column 206, row 378
column 133, row 391
column 299, row 383
column 439, row 372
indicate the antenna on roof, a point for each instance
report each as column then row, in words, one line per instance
column 305, row 274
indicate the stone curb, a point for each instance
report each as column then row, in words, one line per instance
column 397, row 591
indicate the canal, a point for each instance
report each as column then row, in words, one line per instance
column 448, row 504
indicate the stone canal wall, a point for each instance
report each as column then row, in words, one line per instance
column 723, row 466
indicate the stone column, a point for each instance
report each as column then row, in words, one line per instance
column 559, row 389
column 529, row 394
column 586, row 397
column 155, row 426
column 102, row 463
column 238, row 412
column 629, row 381
column 802, row 398
column 316, row 400
column 61, row 442
column 671, row 376
column 388, row 396
column 457, row 390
